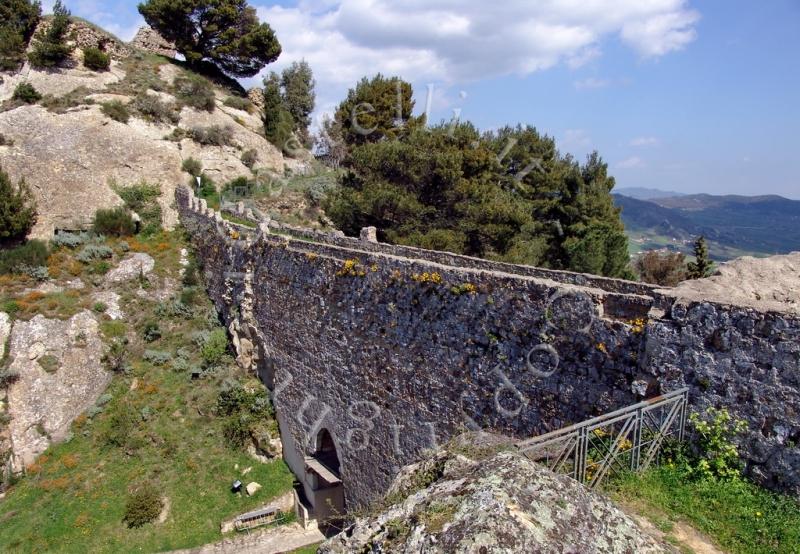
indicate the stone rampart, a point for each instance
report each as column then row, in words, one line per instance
column 392, row 350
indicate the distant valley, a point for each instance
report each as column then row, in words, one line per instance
column 734, row 225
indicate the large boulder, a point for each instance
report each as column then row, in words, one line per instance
column 504, row 504
column 60, row 375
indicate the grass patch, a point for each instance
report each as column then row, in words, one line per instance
column 740, row 516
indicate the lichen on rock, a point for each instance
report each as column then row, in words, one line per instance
column 505, row 503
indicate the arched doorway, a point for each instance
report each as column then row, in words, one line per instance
column 323, row 484
column 326, row 452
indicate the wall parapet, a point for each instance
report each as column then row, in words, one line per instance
column 394, row 349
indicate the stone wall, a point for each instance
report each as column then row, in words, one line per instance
column 84, row 35
column 395, row 349
column 148, row 39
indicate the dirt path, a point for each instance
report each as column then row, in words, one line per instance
column 269, row 541
column 679, row 533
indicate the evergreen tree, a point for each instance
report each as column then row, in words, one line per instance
column 701, row 267
column 18, row 21
column 226, row 33
column 17, row 210
column 52, row 49
column 297, row 84
column 278, row 123
column 377, row 108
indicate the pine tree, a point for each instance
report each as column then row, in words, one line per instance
column 278, row 123
column 52, row 49
column 17, row 210
column 701, row 267
column 297, row 84
column 18, row 20
column 225, row 33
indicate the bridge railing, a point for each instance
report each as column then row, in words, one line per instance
column 629, row 439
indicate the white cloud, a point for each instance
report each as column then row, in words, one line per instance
column 451, row 41
column 576, row 139
column 591, row 83
column 644, row 141
column 634, row 162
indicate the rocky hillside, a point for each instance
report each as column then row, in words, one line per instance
column 138, row 121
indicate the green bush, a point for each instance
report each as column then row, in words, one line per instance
column 96, row 59
column 142, row 198
column 153, row 109
column 17, row 210
column 195, row 92
column 120, row 426
column 117, row 222
column 238, row 103
column 214, row 135
column 33, row 253
column 116, row 110
column 152, row 332
column 192, row 167
column 236, row 430
column 157, row 357
column 60, row 104
column 143, row 506
column 25, row 92
column 215, row 347
column 716, row 455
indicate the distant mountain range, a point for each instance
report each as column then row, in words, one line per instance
column 734, row 225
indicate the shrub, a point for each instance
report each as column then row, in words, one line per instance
column 153, row 109
column 214, row 135
column 192, row 167
column 37, row 273
column 152, row 332
column 319, row 189
column 215, row 347
column 157, row 357
column 25, row 92
column 661, row 268
column 142, row 198
column 236, row 430
column 5, row 141
column 116, row 110
column 120, row 426
column 249, row 158
column 116, row 222
column 33, row 253
column 195, row 92
column 60, row 104
column 238, row 103
column 143, row 506
column 92, row 252
column 51, row 49
column 235, row 398
column 8, row 377
column 68, row 240
column 116, row 358
column 17, row 209
column 99, row 307
column 96, row 59
column 190, row 278
column 716, row 455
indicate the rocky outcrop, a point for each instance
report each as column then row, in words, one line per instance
column 148, row 39
column 505, row 504
column 60, row 376
column 133, row 267
column 85, row 35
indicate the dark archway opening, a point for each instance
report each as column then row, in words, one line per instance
column 326, row 452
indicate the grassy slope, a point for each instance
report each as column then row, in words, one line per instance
column 739, row 516
column 73, row 498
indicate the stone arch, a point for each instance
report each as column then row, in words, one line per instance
column 325, row 451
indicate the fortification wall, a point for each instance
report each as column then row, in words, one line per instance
column 394, row 353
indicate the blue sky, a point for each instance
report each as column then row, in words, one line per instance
column 686, row 95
